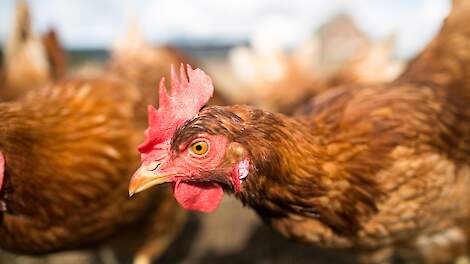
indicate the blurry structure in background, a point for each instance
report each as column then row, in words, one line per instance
column 338, row 40
column 373, row 63
column 346, row 55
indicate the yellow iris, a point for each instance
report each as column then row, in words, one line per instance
column 199, row 148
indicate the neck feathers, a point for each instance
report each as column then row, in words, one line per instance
column 300, row 168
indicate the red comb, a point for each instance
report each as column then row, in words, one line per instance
column 187, row 97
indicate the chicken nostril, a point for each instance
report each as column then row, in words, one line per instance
column 153, row 166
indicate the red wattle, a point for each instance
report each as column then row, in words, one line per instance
column 198, row 196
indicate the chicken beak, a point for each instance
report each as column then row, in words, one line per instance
column 147, row 176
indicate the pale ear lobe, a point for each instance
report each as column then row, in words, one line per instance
column 2, row 169
column 239, row 172
column 243, row 169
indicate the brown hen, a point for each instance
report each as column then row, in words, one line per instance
column 379, row 169
column 29, row 61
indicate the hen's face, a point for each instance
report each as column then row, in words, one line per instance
column 189, row 149
column 199, row 167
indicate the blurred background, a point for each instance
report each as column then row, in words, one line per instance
column 255, row 50
column 238, row 40
column 211, row 23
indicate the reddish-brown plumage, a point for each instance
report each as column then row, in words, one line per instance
column 51, row 153
column 69, row 149
column 379, row 169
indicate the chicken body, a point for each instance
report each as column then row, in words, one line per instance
column 378, row 169
column 69, row 149
column 369, row 168
column 374, row 167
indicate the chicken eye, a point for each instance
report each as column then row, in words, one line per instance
column 199, row 148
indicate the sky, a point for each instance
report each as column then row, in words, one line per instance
column 96, row 24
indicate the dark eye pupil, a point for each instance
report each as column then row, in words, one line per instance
column 198, row 147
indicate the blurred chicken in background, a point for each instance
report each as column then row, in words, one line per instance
column 263, row 74
column 30, row 61
column 266, row 75
column 56, row 54
column 141, row 65
column 67, row 149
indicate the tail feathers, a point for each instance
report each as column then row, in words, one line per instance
column 56, row 55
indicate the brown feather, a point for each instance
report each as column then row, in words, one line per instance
column 69, row 151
